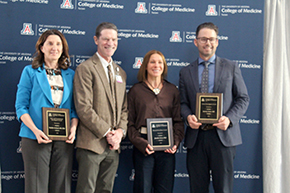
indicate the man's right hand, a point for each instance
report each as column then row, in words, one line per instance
column 192, row 122
column 114, row 138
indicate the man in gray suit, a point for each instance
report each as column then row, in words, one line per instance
column 211, row 148
column 101, row 104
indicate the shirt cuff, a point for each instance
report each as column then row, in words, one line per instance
column 107, row 132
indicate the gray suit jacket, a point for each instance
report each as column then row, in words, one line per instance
column 94, row 104
column 229, row 81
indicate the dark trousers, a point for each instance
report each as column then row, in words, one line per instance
column 96, row 173
column 153, row 173
column 209, row 157
column 48, row 167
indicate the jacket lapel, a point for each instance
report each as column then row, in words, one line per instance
column 100, row 70
column 43, row 82
column 218, row 74
column 66, row 86
column 119, row 87
column 194, row 76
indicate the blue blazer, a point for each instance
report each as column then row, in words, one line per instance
column 34, row 92
column 229, row 81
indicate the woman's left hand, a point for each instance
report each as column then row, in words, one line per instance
column 149, row 149
column 72, row 135
column 171, row 150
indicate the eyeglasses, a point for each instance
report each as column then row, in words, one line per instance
column 204, row 40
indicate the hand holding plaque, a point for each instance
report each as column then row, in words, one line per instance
column 160, row 133
column 209, row 107
column 56, row 123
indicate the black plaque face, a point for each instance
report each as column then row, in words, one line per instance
column 208, row 107
column 160, row 133
column 56, row 123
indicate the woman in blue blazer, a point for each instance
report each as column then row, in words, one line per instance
column 48, row 82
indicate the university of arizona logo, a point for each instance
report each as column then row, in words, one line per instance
column 132, row 177
column 19, row 149
column 141, row 8
column 211, row 11
column 175, row 37
column 66, row 4
column 138, row 62
column 27, row 29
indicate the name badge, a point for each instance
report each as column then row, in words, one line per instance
column 119, row 79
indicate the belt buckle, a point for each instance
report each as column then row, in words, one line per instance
column 143, row 130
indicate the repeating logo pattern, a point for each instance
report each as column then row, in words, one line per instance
column 66, row 4
column 211, row 11
column 141, row 8
column 175, row 37
column 27, row 29
column 138, row 62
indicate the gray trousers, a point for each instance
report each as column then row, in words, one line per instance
column 48, row 167
column 96, row 173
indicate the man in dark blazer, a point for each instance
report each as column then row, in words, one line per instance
column 211, row 148
column 102, row 110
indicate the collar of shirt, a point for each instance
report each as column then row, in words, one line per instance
column 105, row 64
column 211, row 60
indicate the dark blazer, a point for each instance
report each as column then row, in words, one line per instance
column 94, row 104
column 229, row 81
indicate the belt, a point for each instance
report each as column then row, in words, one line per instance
column 143, row 130
column 206, row 127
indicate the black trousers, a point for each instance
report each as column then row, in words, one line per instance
column 210, row 158
column 153, row 173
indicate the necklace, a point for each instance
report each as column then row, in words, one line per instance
column 155, row 90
